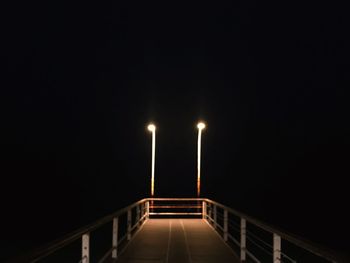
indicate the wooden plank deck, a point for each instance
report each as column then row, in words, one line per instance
column 177, row 241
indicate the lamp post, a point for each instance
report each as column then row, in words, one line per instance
column 200, row 127
column 152, row 128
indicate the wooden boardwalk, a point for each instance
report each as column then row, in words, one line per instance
column 177, row 241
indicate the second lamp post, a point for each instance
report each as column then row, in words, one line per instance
column 200, row 127
column 152, row 128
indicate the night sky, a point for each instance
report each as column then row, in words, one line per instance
column 81, row 81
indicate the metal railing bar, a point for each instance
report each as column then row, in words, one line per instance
column 259, row 246
column 176, row 199
column 175, row 206
column 71, row 237
column 316, row 249
column 108, row 253
column 220, row 227
column 304, row 244
column 153, row 213
column 137, row 223
column 289, row 258
column 218, row 214
column 259, row 239
column 142, row 218
column 252, row 256
column 238, row 244
column 134, row 226
column 122, row 239
column 235, row 223
column 210, row 219
column 233, row 227
column 123, row 248
column 234, row 240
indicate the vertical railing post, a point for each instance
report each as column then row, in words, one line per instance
column 85, row 248
column 115, row 238
column 215, row 217
column 141, row 211
column 144, row 209
column 225, row 225
column 147, row 209
column 209, row 211
column 204, row 210
column 129, row 224
column 138, row 215
column 243, row 239
column 276, row 248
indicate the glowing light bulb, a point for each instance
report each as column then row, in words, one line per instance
column 151, row 127
column 201, row 125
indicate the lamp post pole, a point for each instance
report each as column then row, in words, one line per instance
column 200, row 127
column 152, row 128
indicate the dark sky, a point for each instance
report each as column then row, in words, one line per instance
column 81, row 81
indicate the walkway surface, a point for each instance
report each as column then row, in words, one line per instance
column 177, row 241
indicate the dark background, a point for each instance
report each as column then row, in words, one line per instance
column 82, row 80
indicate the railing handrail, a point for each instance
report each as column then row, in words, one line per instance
column 292, row 238
column 73, row 236
column 175, row 199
